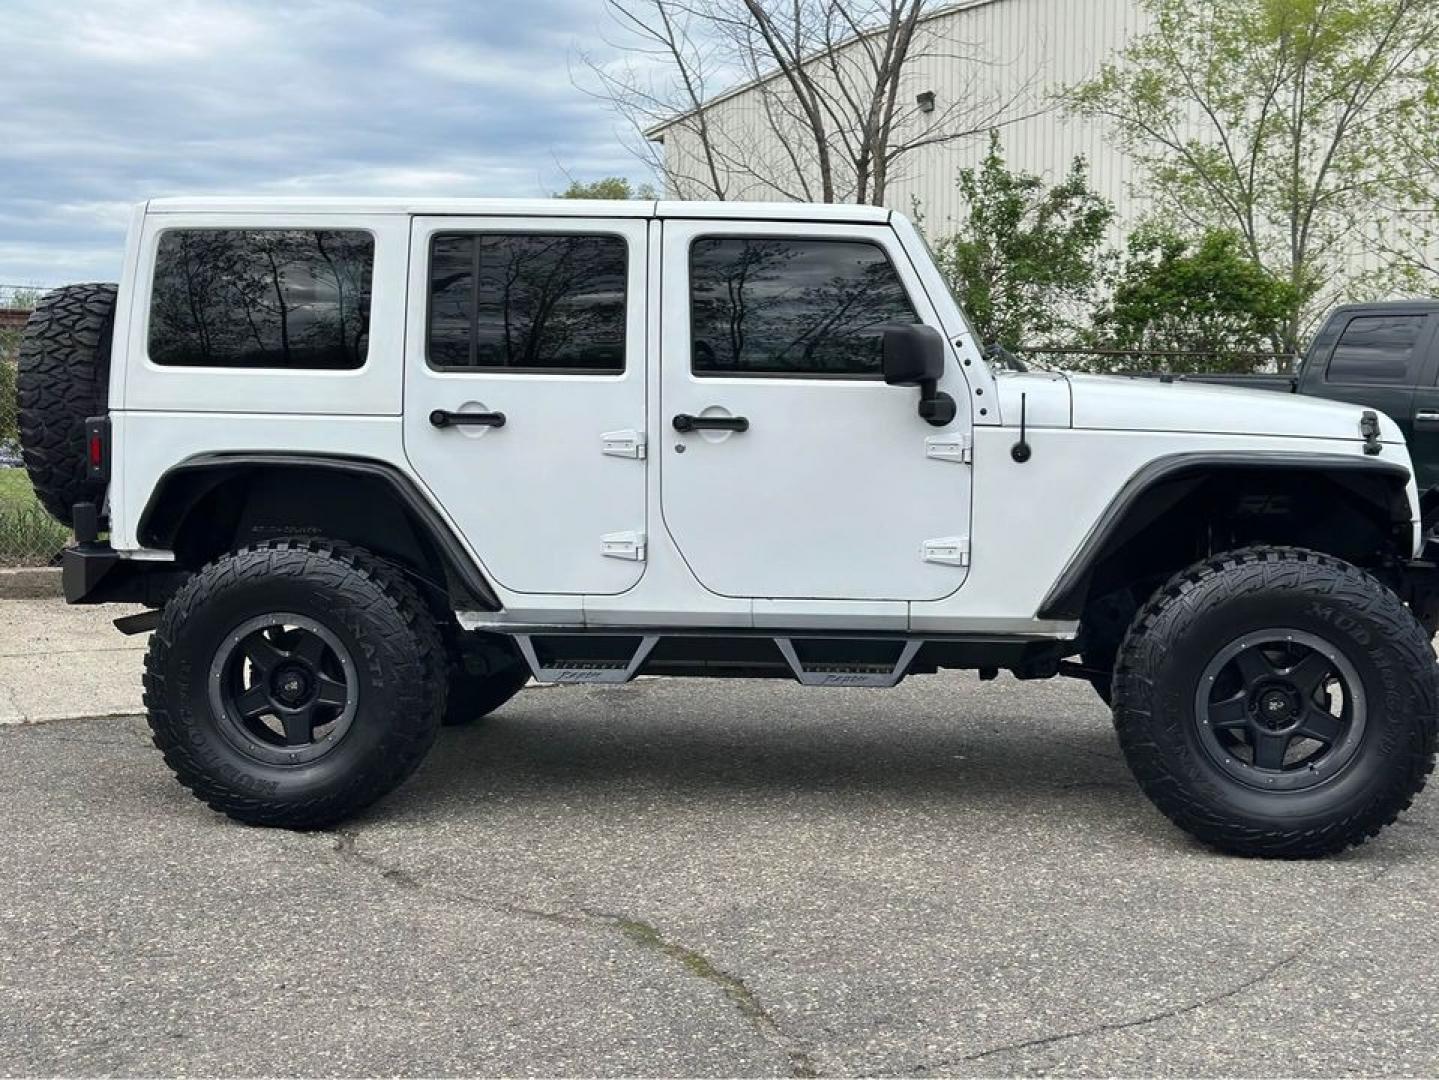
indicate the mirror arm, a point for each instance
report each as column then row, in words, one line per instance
column 935, row 406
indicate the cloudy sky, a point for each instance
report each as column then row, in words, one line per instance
column 109, row 102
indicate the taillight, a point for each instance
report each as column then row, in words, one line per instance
column 97, row 449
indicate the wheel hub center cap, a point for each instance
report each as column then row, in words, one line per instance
column 291, row 685
column 1276, row 708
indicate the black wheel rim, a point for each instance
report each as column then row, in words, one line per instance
column 283, row 688
column 1280, row 710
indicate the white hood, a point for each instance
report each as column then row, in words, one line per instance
column 1113, row 403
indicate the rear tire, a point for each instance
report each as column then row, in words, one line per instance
column 293, row 684
column 1277, row 702
column 63, row 378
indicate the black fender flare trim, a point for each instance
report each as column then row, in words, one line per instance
column 159, row 523
column 1065, row 601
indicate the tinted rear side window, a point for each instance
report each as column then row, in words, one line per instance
column 763, row 306
column 538, row 302
column 262, row 298
column 1378, row 349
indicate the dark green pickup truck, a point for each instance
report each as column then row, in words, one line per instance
column 1384, row 355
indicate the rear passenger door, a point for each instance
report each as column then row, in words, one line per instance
column 525, row 394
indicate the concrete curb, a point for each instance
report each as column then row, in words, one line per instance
column 29, row 582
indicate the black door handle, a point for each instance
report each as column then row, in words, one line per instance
column 686, row 422
column 442, row 419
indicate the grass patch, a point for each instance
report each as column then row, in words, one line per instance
column 28, row 535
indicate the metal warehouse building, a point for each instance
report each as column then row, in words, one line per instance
column 1006, row 55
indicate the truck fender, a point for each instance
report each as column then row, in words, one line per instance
column 185, row 485
column 1161, row 483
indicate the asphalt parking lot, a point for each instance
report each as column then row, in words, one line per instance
column 710, row 879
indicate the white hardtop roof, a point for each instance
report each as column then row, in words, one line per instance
column 586, row 208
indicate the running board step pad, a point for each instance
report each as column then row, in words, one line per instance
column 843, row 674
column 584, row 671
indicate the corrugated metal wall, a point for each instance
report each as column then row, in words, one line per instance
column 1010, row 53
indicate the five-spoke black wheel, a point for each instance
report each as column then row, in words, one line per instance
column 1275, row 701
column 284, row 687
column 295, row 682
column 1280, row 709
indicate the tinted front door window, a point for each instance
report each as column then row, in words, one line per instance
column 1378, row 350
column 801, row 308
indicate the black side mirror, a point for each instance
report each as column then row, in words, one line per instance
column 914, row 356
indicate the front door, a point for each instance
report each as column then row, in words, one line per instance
column 805, row 477
column 525, row 394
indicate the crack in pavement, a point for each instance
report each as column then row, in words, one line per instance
column 637, row 932
column 1166, row 1014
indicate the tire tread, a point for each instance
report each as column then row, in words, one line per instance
column 1198, row 589
column 412, row 641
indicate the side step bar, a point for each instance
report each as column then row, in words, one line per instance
column 868, row 663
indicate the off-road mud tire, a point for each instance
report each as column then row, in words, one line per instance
column 383, row 623
column 63, row 378
column 1186, row 624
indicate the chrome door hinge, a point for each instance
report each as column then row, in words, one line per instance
column 956, row 448
column 623, row 545
column 947, row 551
column 625, row 444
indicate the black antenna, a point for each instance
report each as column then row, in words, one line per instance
column 1021, row 451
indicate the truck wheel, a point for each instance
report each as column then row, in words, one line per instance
column 1278, row 702
column 293, row 684
column 484, row 673
column 64, row 377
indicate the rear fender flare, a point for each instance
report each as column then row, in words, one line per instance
column 184, row 486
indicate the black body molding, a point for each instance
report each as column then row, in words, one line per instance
column 185, row 484
column 1144, row 497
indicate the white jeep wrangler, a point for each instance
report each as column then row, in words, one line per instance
column 376, row 464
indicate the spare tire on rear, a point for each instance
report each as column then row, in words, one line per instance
column 63, row 378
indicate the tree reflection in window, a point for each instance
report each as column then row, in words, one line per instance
column 791, row 307
column 532, row 302
column 262, row 298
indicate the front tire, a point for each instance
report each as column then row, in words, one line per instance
column 294, row 683
column 1277, row 702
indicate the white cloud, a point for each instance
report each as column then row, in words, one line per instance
column 108, row 104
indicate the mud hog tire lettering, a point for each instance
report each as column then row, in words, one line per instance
column 1208, row 624
column 63, row 378
column 380, row 659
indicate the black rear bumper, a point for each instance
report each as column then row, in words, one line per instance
column 94, row 574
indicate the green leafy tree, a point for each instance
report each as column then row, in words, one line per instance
column 1201, row 296
column 1282, row 120
column 611, row 187
column 1027, row 258
column 19, row 300
column 1408, row 233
